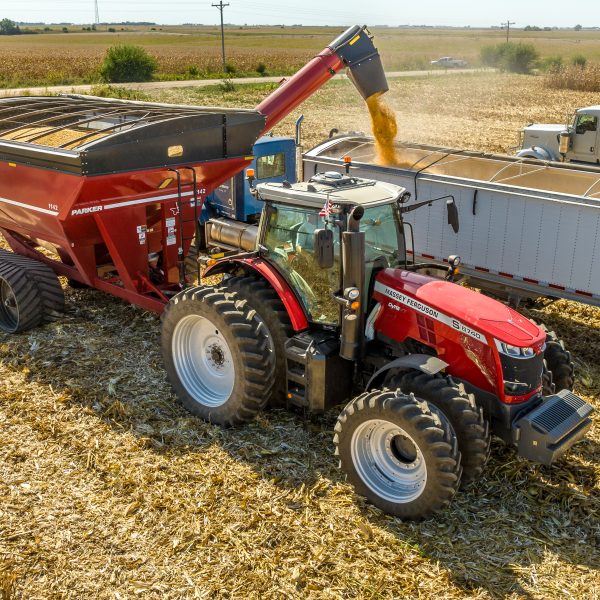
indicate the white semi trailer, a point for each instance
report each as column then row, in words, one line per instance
column 527, row 228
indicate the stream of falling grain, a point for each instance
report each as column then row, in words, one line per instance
column 385, row 129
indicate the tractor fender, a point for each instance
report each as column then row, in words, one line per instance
column 261, row 267
column 418, row 362
column 537, row 152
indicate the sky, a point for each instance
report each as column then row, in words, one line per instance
column 311, row 12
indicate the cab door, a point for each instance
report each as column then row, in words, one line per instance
column 585, row 140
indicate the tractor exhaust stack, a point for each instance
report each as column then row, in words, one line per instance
column 353, row 49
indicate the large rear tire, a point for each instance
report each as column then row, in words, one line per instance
column 400, row 455
column 217, row 355
column 51, row 295
column 470, row 426
column 20, row 302
column 264, row 299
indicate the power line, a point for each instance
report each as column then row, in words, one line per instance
column 221, row 6
column 507, row 25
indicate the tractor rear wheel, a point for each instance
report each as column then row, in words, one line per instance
column 265, row 301
column 217, row 355
column 466, row 418
column 558, row 362
column 400, row 455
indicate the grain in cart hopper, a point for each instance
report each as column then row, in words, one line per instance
column 113, row 188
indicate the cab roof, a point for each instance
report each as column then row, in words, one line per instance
column 589, row 109
column 333, row 186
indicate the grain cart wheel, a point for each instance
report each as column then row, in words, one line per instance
column 217, row 355
column 20, row 302
column 558, row 361
column 264, row 299
column 51, row 295
column 466, row 418
column 400, row 455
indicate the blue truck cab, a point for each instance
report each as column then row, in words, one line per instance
column 274, row 160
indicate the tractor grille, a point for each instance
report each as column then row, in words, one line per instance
column 561, row 410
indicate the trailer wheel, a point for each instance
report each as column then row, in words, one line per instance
column 264, row 299
column 466, row 418
column 559, row 362
column 217, row 355
column 20, row 302
column 400, row 455
column 51, row 295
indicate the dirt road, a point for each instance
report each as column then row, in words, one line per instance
column 153, row 85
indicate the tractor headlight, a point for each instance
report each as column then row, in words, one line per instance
column 352, row 293
column 514, row 351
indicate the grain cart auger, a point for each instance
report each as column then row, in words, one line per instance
column 329, row 295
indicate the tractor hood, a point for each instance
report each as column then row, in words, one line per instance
column 440, row 299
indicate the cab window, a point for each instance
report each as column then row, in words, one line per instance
column 272, row 165
column 382, row 235
column 288, row 242
column 586, row 123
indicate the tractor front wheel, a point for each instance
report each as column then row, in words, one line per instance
column 466, row 418
column 559, row 362
column 217, row 355
column 400, row 455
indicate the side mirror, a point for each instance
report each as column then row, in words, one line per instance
column 452, row 215
column 323, row 245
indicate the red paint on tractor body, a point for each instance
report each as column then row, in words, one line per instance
column 458, row 323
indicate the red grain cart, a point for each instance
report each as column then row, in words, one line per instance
column 113, row 188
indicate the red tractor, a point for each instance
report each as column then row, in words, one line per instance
column 325, row 305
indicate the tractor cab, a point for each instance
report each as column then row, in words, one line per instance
column 302, row 228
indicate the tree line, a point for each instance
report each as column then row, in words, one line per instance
column 8, row 27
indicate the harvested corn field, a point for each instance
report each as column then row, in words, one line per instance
column 110, row 490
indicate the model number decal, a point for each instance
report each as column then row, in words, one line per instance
column 429, row 311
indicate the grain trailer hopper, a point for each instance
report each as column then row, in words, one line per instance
column 529, row 229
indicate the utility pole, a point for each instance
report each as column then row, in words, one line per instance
column 97, row 15
column 221, row 6
column 507, row 25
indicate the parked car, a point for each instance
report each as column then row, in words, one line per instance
column 449, row 63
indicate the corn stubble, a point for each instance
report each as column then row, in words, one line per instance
column 108, row 489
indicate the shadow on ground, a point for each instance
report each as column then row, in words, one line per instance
column 104, row 356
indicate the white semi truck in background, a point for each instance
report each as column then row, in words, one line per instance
column 577, row 142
